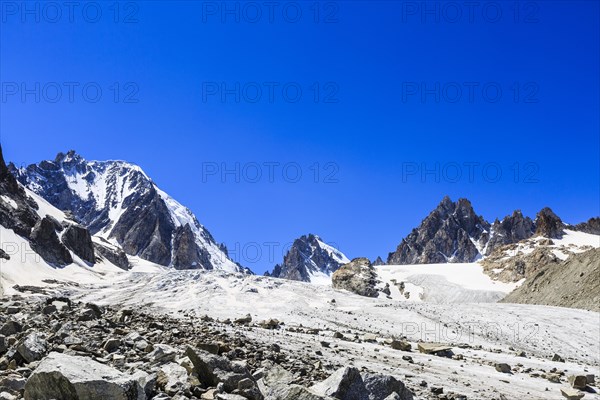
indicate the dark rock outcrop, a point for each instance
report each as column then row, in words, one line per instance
column 358, row 276
column 186, row 253
column 17, row 210
column 513, row 228
column 146, row 229
column 307, row 256
column 448, row 234
column 45, row 242
column 378, row 261
column 113, row 254
column 79, row 241
column 549, row 224
column 590, row 226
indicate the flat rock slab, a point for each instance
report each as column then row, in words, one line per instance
column 571, row 394
column 432, row 348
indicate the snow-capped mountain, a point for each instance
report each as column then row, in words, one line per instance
column 118, row 202
column 310, row 259
column 454, row 233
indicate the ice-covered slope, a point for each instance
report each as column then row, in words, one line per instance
column 119, row 202
column 442, row 283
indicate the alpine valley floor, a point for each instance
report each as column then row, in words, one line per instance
column 339, row 328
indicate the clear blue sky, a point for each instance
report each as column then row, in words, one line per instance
column 372, row 63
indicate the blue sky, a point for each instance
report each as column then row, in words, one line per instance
column 500, row 105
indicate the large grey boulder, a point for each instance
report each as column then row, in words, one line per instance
column 358, row 276
column 345, row 383
column 277, row 384
column 65, row 377
column 173, row 378
column 213, row 369
column 33, row 347
column 384, row 386
column 349, row 384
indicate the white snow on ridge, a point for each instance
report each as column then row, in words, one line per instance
column 45, row 208
column 25, row 267
column 182, row 216
column 333, row 252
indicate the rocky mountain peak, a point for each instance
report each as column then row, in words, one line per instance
column 310, row 259
column 118, row 202
column 452, row 232
column 548, row 224
column 511, row 229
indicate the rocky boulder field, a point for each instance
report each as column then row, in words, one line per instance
column 212, row 335
column 53, row 348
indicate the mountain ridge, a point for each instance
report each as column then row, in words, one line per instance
column 119, row 202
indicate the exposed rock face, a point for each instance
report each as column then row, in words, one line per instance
column 61, row 376
column 186, row 255
column 517, row 267
column 549, row 224
column 358, row 277
column 573, row 283
column 45, row 242
column 113, row 254
column 79, row 241
column 146, row 222
column 511, row 229
column 146, row 229
column 308, row 257
column 454, row 233
column 591, row 226
column 17, row 210
column 448, row 234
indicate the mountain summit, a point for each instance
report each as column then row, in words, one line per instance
column 452, row 232
column 310, row 259
column 117, row 201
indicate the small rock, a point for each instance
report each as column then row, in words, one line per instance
column 244, row 320
column 502, row 367
column 401, row 345
column 11, row 328
column 112, row 345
